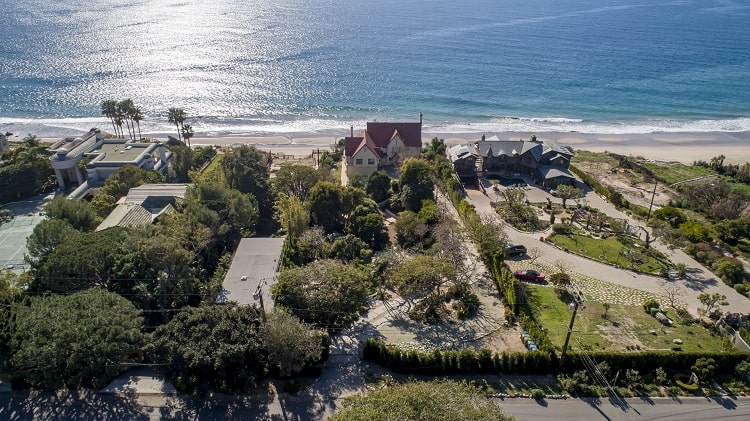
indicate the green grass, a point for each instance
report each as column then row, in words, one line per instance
column 674, row 172
column 608, row 250
column 626, row 328
column 741, row 189
column 594, row 157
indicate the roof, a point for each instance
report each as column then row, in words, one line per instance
column 126, row 215
column 143, row 192
column 555, row 172
column 383, row 132
column 458, row 152
column 499, row 147
column 256, row 259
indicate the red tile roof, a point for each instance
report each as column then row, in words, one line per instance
column 382, row 133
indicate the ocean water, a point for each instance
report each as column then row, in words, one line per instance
column 319, row 66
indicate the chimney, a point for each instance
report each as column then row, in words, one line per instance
column 533, row 138
column 351, row 131
column 420, row 119
column 482, row 137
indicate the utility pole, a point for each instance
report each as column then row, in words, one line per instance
column 258, row 295
column 576, row 303
column 656, row 183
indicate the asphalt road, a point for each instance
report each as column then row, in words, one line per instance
column 663, row 409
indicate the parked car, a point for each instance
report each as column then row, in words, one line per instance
column 529, row 275
column 515, row 250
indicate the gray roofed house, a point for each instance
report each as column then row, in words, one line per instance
column 256, row 263
column 144, row 204
column 544, row 160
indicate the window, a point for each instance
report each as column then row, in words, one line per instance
column 370, row 161
column 358, row 161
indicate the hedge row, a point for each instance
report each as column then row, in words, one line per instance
column 650, row 360
column 465, row 361
column 484, row 361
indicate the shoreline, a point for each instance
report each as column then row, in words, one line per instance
column 669, row 147
column 684, row 147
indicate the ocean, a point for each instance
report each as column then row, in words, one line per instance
column 263, row 67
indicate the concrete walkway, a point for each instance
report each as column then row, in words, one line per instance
column 698, row 280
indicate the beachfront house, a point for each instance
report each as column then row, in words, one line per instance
column 91, row 158
column 381, row 144
column 544, row 161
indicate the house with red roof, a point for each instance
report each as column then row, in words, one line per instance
column 382, row 143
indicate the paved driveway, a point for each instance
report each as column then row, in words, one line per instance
column 699, row 279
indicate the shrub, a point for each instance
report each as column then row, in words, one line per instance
column 649, row 304
column 660, row 376
column 682, row 379
column 537, row 394
column 562, row 229
column 704, row 368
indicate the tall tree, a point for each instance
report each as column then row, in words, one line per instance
column 187, row 133
column 109, row 109
column 292, row 213
column 78, row 340
column 176, row 116
column 47, row 235
column 296, row 180
column 77, row 212
column 326, row 201
column 416, row 184
column 247, row 169
column 566, row 192
column 137, row 116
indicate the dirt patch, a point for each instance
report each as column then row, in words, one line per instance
column 507, row 339
column 619, row 335
column 632, row 185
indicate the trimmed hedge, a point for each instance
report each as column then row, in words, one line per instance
column 648, row 361
column 465, row 361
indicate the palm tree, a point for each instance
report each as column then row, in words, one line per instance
column 176, row 116
column 187, row 133
column 109, row 109
column 137, row 116
column 125, row 107
column 29, row 151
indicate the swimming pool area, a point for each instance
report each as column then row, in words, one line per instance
column 507, row 181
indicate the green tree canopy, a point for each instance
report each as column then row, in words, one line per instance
column 247, row 169
column 290, row 344
column 75, row 340
column 326, row 204
column 212, row 348
column 425, row 401
column 378, row 186
column 296, row 180
column 422, row 275
column 78, row 213
column 416, row 184
column 47, row 235
column 327, row 293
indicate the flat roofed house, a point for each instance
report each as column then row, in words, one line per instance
column 253, row 270
column 104, row 157
column 382, row 143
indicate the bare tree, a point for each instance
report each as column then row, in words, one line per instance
column 672, row 294
column 563, row 266
column 534, row 253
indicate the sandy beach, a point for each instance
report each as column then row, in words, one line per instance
column 680, row 147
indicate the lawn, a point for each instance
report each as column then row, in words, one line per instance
column 611, row 250
column 626, row 328
column 594, row 157
column 674, row 172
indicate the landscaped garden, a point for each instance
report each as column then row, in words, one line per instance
column 602, row 326
column 614, row 250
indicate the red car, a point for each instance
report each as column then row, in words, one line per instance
column 529, row 275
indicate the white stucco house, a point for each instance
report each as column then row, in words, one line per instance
column 103, row 157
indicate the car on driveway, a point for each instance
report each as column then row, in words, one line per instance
column 515, row 250
column 529, row 275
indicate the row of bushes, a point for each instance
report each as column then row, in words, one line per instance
column 651, row 360
column 465, row 361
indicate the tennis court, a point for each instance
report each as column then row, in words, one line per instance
column 13, row 233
